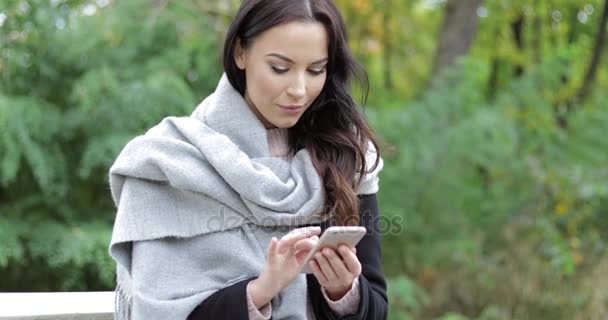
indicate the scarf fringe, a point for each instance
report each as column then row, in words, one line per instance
column 122, row 304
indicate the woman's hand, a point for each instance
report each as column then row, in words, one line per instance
column 284, row 260
column 336, row 271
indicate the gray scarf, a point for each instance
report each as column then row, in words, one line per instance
column 208, row 193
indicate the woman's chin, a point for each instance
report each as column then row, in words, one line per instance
column 285, row 123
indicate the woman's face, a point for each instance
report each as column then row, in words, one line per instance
column 285, row 71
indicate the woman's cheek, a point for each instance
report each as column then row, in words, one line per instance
column 317, row 91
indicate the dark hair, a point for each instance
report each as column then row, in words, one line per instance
column 331, row 129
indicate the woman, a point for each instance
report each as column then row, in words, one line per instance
column 216, row 211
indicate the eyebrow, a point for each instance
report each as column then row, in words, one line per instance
column 282, row 57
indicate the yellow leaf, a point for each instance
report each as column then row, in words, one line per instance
column 578, row 258
column 561, row 208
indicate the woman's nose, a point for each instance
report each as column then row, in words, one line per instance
column 298, row 87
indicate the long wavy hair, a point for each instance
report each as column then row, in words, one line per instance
column 332, row 129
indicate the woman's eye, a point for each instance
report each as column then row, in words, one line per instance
column 278, row 70
column 316, row 72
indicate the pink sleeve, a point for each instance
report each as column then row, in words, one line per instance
column 263, row 313
column 347, row 304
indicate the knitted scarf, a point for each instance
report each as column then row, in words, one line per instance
column 199, row 199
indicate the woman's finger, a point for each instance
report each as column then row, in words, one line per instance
column 272, row 249
column 325, row 266
column 350, row 260
column 316, row 270
column 336, row 263
column 305, row 244
column 301, row 255
column 303, row 248
column 287, row 241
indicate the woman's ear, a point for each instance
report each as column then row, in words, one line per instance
column 239, row 54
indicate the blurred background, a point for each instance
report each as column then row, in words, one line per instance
column 494, row 197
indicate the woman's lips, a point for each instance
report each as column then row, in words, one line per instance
column 291, row 109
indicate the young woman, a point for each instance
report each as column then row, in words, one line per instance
column 216, row 211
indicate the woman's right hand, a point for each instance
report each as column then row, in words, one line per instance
column 283, row 263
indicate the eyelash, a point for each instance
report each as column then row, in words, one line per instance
column 281, row 71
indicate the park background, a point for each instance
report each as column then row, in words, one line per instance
column 494, row 112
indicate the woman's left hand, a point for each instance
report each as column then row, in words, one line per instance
column 336, row 270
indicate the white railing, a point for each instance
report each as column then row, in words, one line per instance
column 57, row 305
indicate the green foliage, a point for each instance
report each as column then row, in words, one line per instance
column 405, row 294
column 77, row 82
column 11, row 249
column 477, row 174
column 38, row 148
column 452, row 316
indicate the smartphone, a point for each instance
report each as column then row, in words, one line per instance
column 333, row 237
